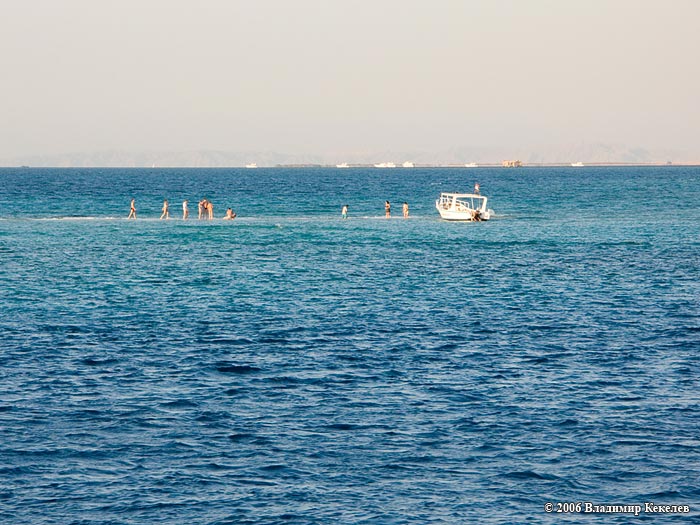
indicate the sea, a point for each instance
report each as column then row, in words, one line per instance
column 293, row 367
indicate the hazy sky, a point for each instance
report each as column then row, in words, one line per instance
column 343, row 76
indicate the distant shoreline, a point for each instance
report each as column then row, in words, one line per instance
column 499, row 165
column 397, row 168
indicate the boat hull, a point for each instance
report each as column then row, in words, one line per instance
column 464, row 216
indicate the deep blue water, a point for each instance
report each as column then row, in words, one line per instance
column 292, row 367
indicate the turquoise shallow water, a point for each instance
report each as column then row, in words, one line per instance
column 292, row 367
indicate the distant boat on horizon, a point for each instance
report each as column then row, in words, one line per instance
column 251, row 165
column 471, row 165
column 512, row 163
column 342, row 165
column 577, row 164
column 408, row 164
column 385, row 165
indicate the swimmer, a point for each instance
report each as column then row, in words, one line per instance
column 230, row 215
column 405, row 210
column 165, row 213
column 132, row 211
column 201, row 207
column 476, row 188
column 387, row 209
column 344, row 211
column 185, row 210
column 210, row 209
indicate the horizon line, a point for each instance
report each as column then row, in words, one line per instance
column 398, row 167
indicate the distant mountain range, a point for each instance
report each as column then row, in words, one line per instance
column 587, row 153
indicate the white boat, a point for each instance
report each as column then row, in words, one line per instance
column 471, row 165
column 385, row 165
column 408, row 164
column 463, row 207
column 251, row 165
column 577, row 164
column 342, row 165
